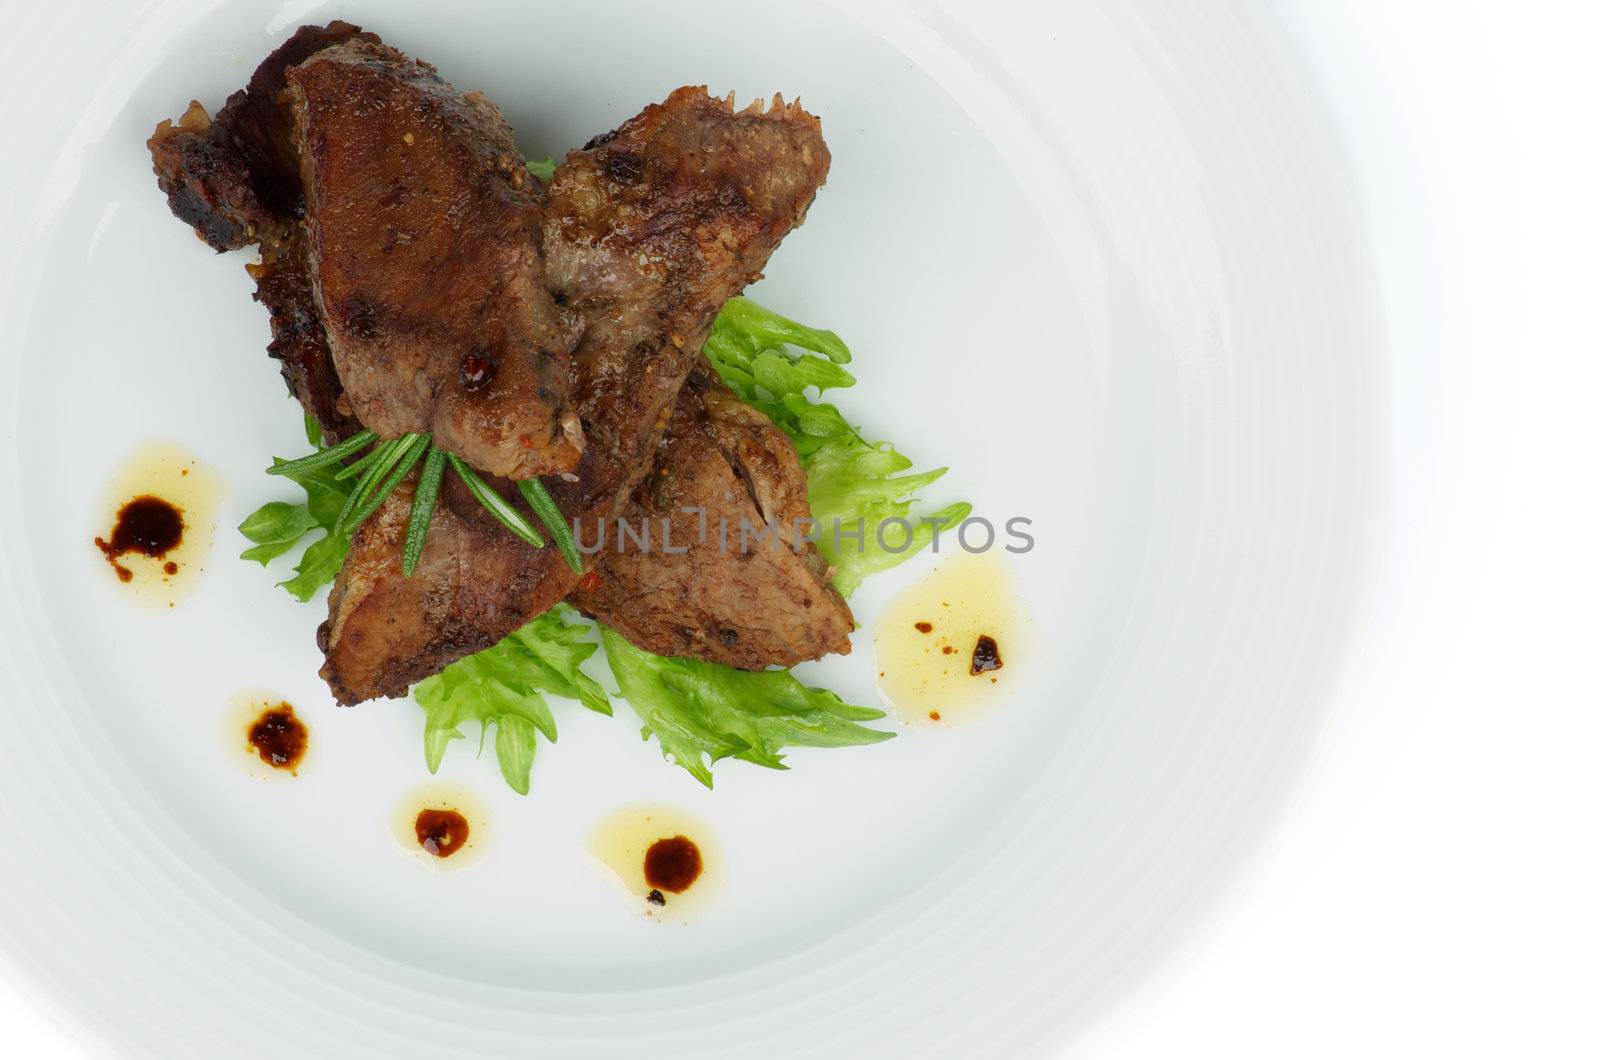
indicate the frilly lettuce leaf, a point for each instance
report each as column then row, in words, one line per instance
column 504, row 686
column 278, row 526
column 854, row 486
column 701, row 712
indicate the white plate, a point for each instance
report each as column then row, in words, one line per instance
column 1102, row 264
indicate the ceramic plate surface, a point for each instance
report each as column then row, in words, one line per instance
column 1122, row 295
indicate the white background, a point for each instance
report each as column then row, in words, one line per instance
column 1432, row 890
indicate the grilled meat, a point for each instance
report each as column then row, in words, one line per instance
column 728, row 575
column 236, row 176
column 471, row 579
column 643, row 235
column 423, row 229
column 207, row 179
column 299, row 341
column 648, row 231
column 747, row 604
column 236, row 181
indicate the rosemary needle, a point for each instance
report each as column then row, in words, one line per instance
column 414, row 449
column 363, row 486
column 356, row 467
column 496, row 505
column 324, row 457
column 422, row 502
column 544, row 507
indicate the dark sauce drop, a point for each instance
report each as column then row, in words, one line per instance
column 985, row 655
column 441, row 832
column 146, row 525
column 279, row 737
column 672, row 864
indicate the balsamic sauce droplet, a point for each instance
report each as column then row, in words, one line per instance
column 985, row 655
column 672, row 864
column 145, row 525
column 279, row 737
column 441, row 832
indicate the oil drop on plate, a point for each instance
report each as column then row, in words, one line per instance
column 266, row 734
column 662, row 861
column 159, row 518
column 442, row 826
column 950, row 646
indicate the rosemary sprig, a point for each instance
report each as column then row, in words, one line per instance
column 495, row 504
column 412, row 449
column 378, row 474
column 324, row 457
column 544, row 507
column 422, row 502
column 363, row 487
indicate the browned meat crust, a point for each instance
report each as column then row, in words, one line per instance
column 471, row 579
column 424, row 228
column 708, row 588
column 283, row 285
column 236, row 181
column 649, row 230
column 229, row 177
column 207, row 180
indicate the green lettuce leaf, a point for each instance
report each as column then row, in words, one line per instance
column 277, row 527
column 854, row 486
column 504, row 687
column 701, row 712
column 313, row 430
column 544, row 170
column 319, row 566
